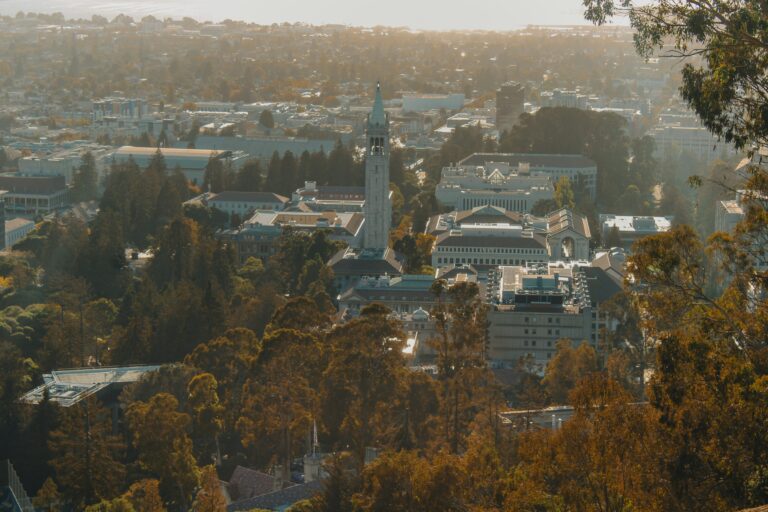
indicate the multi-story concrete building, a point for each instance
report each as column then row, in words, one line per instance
column 563, row 98
column 401, row 294
column 127, row 108
column 532, row 309
column 66, row 161
column 510, row 103
column 34, row 195
column 728, row 214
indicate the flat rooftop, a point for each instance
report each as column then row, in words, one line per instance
column 169, row 152
column 641, row 224
column 68, row 387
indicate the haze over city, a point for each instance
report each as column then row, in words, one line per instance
column 357, row 256
column 422, row 14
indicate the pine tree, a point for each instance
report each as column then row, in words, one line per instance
column 85, row 180
column 273, row 174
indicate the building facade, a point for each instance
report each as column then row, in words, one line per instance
column 489, row 246
column 531, row 309
column 34, row 195
column 467, row 187
column 192, row 162
column 580, row 170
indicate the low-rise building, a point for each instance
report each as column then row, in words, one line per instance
column 241, row 204
column 263, row 148
column 33, row 195
column 191, row 162
column 16, row 229
column 632, row 228
column 350, row 266
column 402, row 294
column 325, row 198
column 425, row 102
column 259, row 236
column 68, row 387
column 487, row 246
column 567, row 233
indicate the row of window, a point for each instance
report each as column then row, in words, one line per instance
column 549, row 319
column 532, row 343
column 549, row 331
column 496, row 250
column 481, row 261
column 517, row 205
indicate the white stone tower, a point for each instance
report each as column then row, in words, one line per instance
column 378, row 208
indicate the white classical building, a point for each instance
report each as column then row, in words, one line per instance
column 566, row 234
column 489, row 245
column 581, row 170
column 466, row 187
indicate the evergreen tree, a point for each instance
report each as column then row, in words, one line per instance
column 249, row 177
column 85, row 180
column 266, row 119
column 274, row 177
column 288, row 174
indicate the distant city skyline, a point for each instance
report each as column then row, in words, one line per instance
column 424, row 14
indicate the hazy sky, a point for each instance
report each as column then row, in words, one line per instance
column 425, row 14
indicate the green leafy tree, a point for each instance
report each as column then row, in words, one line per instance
column 209, row 498
column 280, row 400
column 364, row 372
column 86, row 454
column 207, row 414
column 724, row 46
column 564, row 193
column 159, row 433
column 460, row 345
column 567, row 367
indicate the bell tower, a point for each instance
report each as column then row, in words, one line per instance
column 378, row 208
